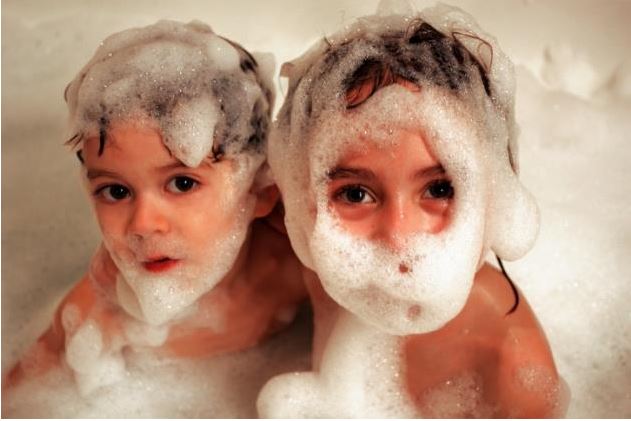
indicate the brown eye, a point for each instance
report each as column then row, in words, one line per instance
column 114, row 192
column 355, row 194
column 439, row 189
column 181, row 184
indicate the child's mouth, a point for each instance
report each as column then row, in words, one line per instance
column 160, row 264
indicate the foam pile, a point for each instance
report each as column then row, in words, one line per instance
column 464, row 111
column 361, row 381
column 202, row 90
column 223, row 386
column 468, row 123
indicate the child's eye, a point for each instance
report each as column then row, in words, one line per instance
column 181, row 184
column 113, row 192
column 439, row 189
column 355, row 194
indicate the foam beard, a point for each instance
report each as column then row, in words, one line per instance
column 425, row 285
column 491, row 209
column 416, row 290
column 159, row 298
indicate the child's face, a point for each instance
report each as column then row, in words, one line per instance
column 385, row 244
column 168, row 227
column 384, row 193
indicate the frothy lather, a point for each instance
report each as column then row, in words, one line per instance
column 468, row 123
column 206, row 97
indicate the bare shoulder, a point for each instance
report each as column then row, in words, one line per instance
column 507, row 352
column 45, row 352
column 272, row 260
column 493, row 291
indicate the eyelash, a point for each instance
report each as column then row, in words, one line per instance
column 443, row 182
column 106, row 191
column 174, row 180
column 103, row 193
column 339, row 194
column 446, row 193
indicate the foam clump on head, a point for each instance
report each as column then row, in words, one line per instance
column 205, row 92
column 465, row 112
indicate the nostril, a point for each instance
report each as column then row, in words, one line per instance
column 403, row 268
column 413, row 312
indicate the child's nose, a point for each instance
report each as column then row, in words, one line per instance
column 149, row 217
column 400, row 219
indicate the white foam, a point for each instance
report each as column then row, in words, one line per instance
column 472, row 134
column 92, row 365
column 486, row 189
column 359, row 377
column 157, row 299
column 492, row 119
column 222, row 386
column 182, row 76
column 141, row 334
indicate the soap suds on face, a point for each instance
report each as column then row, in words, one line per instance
column 316, row 97
column 463, row 107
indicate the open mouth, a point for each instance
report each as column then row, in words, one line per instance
column 160, row 264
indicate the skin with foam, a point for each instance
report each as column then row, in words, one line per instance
column 170, row 122
column 379, row 297
column 156, row 221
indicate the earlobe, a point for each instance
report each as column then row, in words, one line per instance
column 266, row 199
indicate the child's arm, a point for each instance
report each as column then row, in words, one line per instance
column 82, row 303
column 497, row 364
column 45, row 353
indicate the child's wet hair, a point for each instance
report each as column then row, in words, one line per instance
column 343, row 72
column 453, row 70
column 407, row 57
column 239, row 116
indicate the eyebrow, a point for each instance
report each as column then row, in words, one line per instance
column 173, row 165
column 96, row 173
column 428, row 172
column 344, row 172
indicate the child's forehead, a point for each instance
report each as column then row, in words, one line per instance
column 132, row 141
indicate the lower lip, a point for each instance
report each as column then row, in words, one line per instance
column 160, row 265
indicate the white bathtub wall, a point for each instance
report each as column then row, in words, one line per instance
column 574, row 103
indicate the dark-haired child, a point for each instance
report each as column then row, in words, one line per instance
column 395, row 152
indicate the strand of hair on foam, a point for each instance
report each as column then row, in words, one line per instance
column 512, row 286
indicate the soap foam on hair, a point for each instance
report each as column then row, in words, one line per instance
column 473, row 135
column 183, row 78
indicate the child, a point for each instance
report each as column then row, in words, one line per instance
column 401, row 133
column 170, row 124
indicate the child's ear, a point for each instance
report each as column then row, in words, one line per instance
column 266, row 199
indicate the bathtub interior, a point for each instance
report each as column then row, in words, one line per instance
column 573, row 101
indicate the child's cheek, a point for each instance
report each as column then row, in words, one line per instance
column 112, row 224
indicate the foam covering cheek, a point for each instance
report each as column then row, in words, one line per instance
column 289, row 166
column 365, row 277
column 515, row 222
column 471, row 131
column 159, row 298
